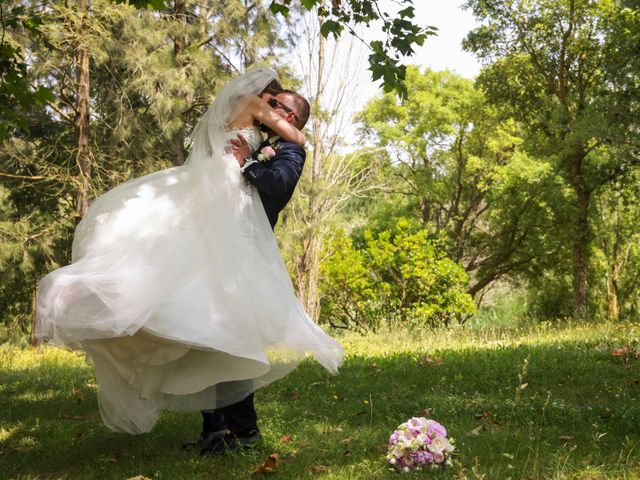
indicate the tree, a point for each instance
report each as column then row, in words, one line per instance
column 617, row 245
column 151, row 77
column 331, row 178
column 551, row 65
column 402, row 35
column 462, row 171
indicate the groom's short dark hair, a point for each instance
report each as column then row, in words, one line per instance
column 302, row 107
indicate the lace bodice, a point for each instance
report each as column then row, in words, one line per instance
column 251, row 134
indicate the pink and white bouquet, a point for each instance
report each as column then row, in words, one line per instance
column 418, row 443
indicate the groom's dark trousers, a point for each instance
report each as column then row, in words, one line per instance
column 275, row 179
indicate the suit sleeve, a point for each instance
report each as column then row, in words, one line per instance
column 281, row 176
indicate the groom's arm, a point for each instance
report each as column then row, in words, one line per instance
column 280, row 177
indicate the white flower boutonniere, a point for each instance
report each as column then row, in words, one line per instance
column 265, row 154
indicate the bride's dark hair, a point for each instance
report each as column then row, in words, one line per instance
column 273, row 88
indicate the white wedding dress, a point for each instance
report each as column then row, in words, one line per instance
column 177, row 291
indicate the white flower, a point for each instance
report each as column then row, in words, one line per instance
column 439, row 445
column 398, row 451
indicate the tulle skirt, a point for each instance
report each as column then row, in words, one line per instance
column 178, row 295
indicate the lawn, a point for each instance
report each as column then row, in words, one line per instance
column 545, row 402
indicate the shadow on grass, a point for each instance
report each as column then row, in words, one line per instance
column 576, row 411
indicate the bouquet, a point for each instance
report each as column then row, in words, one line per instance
column 418, row 443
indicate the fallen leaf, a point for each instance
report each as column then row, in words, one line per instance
column 77, row 393
column 480, row 416
column 286, row 438
column 346, row 453
column 78, row 417
column 319, row 469
column 565, row 438
column 635, row 381
column 476, row 431
column 373, row 365
column 139, row 477
column 270, row 465
column 427, row 411
column 78, row 433
column 620, row 352
column 295, row 394
column 426, row 360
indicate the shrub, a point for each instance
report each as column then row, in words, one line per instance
column 398, row 275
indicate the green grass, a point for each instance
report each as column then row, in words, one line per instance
column 577, row 417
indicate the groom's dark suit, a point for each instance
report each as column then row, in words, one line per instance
column 275, row 179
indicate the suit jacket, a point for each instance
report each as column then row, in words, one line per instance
column 276, row 178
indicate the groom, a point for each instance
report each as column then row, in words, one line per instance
column 235, row 426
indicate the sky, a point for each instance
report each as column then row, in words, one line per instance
column 440, row 52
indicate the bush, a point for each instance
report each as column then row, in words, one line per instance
column 398, row 275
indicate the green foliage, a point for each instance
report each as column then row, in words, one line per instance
column 462, row 170
column 402, row 34
column 568, row 72
column 616, row 249
column 152, row 76
column 17, row 93
column 393, row 276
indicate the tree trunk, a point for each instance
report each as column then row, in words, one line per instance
column 613, row 299
column 83, row 157
column 580, row 256
column 309, row 262
column 179, row 43
column 613, row 279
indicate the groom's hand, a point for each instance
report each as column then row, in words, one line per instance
column 240, row 149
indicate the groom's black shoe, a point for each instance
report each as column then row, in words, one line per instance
column 231, row 443
column 205, row 439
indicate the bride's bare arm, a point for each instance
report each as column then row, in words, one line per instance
column 263, row 113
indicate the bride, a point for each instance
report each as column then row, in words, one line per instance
column 177, row 292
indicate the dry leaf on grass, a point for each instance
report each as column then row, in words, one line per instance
column 286, row 438
column 139, row 477
column 270, row 465
column 319, row 469
column 425, row 360
column 476, row 431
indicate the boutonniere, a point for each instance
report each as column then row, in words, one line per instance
column 265, row 154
